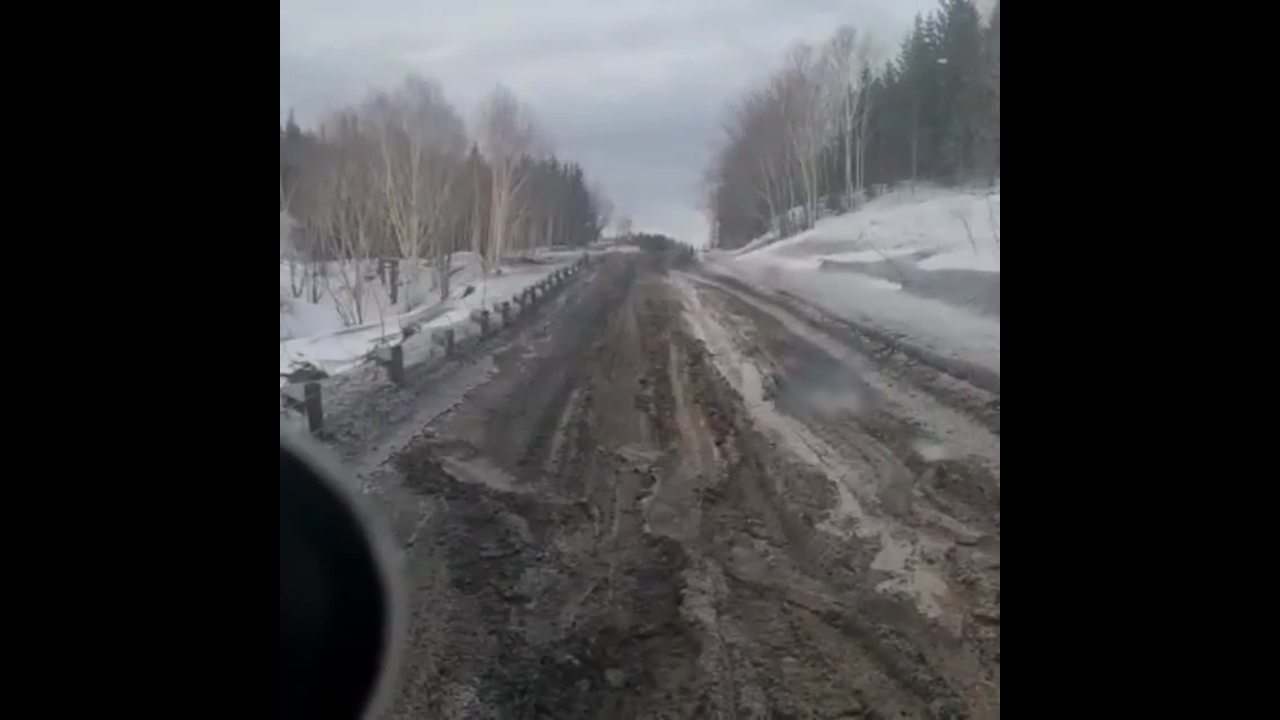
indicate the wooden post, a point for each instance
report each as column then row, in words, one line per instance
column 391, row 358
column 396, row 368
column 481, row 317
column 395, row 281
column 315, row 412
column 444, row 337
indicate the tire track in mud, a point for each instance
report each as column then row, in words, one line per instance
column 930, row 551
column 611, row 534
column 829, row 385
column 784, row 572
column 967, row 388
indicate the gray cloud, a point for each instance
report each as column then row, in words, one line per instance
column 635, row 91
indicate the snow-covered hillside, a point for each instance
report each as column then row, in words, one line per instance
column 958, row 230
column 922, row 263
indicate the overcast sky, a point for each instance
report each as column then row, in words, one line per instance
column 635, row 90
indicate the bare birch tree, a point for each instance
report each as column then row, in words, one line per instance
column 507, row 133
column 803, row 85
column 849, row 102
column 420, row 141
column 348, row 202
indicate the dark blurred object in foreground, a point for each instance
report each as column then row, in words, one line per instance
column 334, row 610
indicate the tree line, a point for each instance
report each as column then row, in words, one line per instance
column 399, row 179
column 828, row 128
column 653, row 242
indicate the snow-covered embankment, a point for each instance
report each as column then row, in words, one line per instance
column 921, row 265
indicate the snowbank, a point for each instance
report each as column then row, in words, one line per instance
column 954, row 229
column 921, row 264
column 315, row 333
column 941, row 328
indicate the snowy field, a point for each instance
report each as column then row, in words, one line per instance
column 920, row 264
column 324, row 335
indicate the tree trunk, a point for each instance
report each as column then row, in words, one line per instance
column 316, row 276
column 848, row 153
column 444, row 264
column 861, row 169
column 915, row 139
column 294, row 287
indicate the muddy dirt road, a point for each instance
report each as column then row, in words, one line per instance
column 674, row 498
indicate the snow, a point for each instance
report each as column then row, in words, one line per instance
column 315, row 333
column 868, row 256
column 758, row 243
column 919, row 264
column 962, row 260
column 902, row 222
column 879, row 284
column 935, row 325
